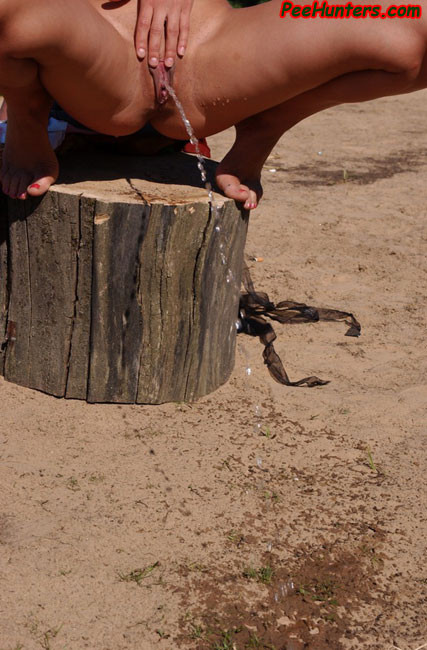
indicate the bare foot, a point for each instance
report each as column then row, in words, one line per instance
column 239, row 181
column 239, row 174
column 29, row 165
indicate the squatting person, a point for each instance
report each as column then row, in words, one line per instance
column 243, row 67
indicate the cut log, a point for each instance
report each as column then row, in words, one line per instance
column 120, row 288
column 3, row 279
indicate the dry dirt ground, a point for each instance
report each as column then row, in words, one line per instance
column 260, row 516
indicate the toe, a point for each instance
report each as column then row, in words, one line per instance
column 248, row 193
column 40, row 185
column 5, row 183
column 14, row 185
column 251, row 202
column 232, row 187
column 21, row 188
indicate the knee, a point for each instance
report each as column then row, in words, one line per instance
column 11, row 32
column 5, row 21
column 23, row 25
column 408, row 60
column 412, row 61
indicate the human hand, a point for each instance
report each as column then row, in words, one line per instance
column 153, row 15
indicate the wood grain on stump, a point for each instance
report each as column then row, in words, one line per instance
column 112, row 286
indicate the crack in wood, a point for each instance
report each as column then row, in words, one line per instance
column 30, row 294
column 4, row 281
column 136, row 190
column 202, row 249
column 75, row 292
column 129, row 310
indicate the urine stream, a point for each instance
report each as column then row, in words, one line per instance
column 257, row 426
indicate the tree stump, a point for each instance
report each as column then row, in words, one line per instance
column 113, row 286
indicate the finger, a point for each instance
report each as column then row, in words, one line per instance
column 156, row 34
column 162, row 45
column 172, row 32
column 184, row 29
column 142, row 30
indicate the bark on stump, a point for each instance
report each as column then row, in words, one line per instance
column 113, row 289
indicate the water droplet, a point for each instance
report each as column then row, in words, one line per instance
column 201, row 165
column 319, row 153
column 248, row 371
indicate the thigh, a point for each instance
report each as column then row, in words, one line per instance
column 289, row 56
column 252, row 59
column 85, row 58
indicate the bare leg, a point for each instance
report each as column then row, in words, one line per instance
column 29, row 163
column 239, row 173
column 266, row 85
column 251, row 60
column 90, row 69
column 93, row 73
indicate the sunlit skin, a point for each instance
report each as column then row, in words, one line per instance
column 152, row 40
column 244, row 67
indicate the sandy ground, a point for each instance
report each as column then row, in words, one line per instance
column 261, row 516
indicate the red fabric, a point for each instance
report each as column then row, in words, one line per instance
column 203, row 147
